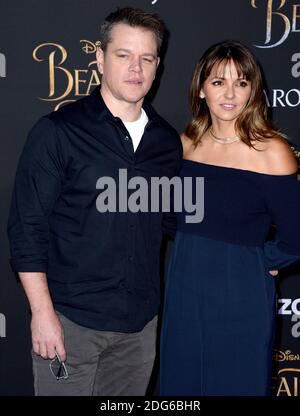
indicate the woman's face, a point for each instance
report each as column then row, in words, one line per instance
column 226, row 93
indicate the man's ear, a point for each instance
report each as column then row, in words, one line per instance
column 100, row 59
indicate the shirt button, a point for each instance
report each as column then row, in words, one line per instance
column 126, row 138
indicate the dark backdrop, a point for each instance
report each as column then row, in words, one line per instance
column 32, row 84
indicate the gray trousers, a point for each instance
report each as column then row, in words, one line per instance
column 100, row 363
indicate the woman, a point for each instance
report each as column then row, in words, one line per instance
column 219, row 315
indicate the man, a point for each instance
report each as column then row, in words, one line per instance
column 92, row 275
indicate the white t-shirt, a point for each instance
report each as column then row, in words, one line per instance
column 136, row 128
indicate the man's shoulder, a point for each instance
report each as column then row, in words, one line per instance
column 46, row 128
column 68, row 112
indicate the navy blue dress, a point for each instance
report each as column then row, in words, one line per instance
column 219, row 313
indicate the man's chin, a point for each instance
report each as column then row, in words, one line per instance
column 134, row 99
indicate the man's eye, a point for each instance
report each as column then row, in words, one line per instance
column 149, row 60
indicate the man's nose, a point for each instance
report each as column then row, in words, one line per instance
column 135, row 65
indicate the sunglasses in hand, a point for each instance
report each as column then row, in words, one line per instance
column 58, row 368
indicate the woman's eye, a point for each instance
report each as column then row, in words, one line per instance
column 243, row 84
column 216, row 83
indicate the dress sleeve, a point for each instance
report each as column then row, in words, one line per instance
column 282, row 198
column 38, row 184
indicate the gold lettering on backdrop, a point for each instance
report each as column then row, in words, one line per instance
column 288, row 26
column 75, row 81
column 78, row 80
column 288, row 386
column 283, row 388
column 285, row 356
column 94, row 78
column 63, row 103
column 295, row 17
column 90, row 47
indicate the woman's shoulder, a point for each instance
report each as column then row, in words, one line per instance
column 278, row 156
column 187, row 143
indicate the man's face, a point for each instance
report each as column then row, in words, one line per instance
column 128, row 65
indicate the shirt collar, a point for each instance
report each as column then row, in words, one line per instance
column 97, row 108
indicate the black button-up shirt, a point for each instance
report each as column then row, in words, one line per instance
column 102, row 268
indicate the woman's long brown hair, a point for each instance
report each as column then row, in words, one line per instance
column 252, row 124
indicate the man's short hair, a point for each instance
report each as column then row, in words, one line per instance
column 135, row 18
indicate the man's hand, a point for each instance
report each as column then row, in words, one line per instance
column 46, row 330
column 47, row 335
